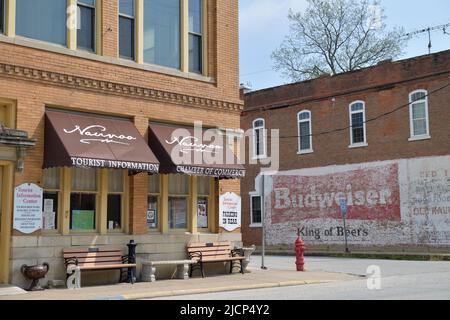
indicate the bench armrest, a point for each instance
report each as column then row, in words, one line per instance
column 71, row 261
column 125, row 259
column 237, row 253
column 196, row 254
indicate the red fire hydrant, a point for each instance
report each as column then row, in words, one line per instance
column 299, row 251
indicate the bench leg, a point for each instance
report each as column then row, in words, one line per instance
column 73, row 278
column 242, row 266
column 231, row 266
column 203, row 272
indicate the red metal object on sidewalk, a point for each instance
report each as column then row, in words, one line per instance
column 299, row 252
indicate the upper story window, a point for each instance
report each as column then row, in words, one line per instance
column 2, row 16
column 162, row 32
column 418, row 115
column 86, row 25
column 358, row 124
column 259, row 139
column 126, row 29
column 304, row 132
column 195, row 36
column 42, row 20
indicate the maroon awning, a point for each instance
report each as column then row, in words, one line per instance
column 192, row 151
column 77, row 140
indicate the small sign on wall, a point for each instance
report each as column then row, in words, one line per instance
column 28, row 208
column 230, row 211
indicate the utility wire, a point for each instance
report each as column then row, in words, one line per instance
column 370, row 120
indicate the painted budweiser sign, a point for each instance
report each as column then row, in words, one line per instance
column 370, row 194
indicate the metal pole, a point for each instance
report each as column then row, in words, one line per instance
column 345, row 236
column 263, row 215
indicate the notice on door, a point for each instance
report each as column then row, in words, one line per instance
column 28, row 208
column 230, row 211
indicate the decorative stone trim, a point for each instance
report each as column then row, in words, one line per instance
column 82, row 83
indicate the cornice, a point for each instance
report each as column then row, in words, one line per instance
column 108, row 87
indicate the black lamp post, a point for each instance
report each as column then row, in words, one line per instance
column 131, row 259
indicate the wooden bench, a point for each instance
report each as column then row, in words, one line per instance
column 149, row 269
column 209, row 252
column 77, row 259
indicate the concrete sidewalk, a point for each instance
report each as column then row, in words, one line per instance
column 254, row 279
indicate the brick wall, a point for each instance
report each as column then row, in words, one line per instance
column 383, row 88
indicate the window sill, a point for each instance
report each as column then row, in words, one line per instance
column 305, row 152
column 80, row 53
column 256, row 225
column 260, row 157
column 358, row 145
column 419, row 138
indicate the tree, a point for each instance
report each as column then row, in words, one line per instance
column 335, row 36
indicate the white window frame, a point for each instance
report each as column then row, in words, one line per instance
column 411, row 120
column 350, row 112
column 255, row 224
column 254, row 128
column 310, row 150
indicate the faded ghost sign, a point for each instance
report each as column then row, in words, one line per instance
column 396, row 202
column 27, row 208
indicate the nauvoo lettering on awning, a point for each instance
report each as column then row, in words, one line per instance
column 195, row 152
column 82, row 140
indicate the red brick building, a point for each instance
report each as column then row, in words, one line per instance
column 377, row 139
column 113, row 71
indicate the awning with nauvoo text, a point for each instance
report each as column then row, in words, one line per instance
column 95, row 141
column 201, row 152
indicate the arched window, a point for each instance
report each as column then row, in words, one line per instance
column 304, row 132
column 357, row 124
column 418, row 115
column 259, row 139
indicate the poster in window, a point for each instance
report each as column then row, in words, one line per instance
column 179, row 211
column 230, row 211
column 48, row 220
column 151, row 218
column 202, row 213
column 83, row 219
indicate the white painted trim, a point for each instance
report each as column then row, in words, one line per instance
column 264, row 155
column 420, row 138
column 255, row 225
column 357, row 145
column 254, row 195
column 411, row 123
column 310, row 150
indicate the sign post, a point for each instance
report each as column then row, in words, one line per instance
column 343, row 206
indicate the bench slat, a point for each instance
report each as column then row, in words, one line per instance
column 93, row 255
column 208, row 249
column 204, row 244
column 89, row 249
column 106, row 266
column 99, row 260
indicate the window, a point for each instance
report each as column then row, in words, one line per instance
column 304, row 132
column 255, row 210
column 42, row 20
column 418, row 114
column 52, row 189
column 86, row 25
column 358, row 124
column 83, row 199
column 153, row 201
column 178, row 201
column 203, row 193
column 259, row 139
column 162, row 33
column 126, row 29
column 195, row 36
column 2, row 16
column 115, row 199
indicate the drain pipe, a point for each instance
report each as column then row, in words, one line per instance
column 263, row 218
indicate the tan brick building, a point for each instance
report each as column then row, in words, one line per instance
column 376, row 138
column 142, row 62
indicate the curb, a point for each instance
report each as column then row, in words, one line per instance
column 160, row 294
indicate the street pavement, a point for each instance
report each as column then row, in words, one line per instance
column 377, row 280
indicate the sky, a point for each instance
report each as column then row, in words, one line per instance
column 263, row 24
